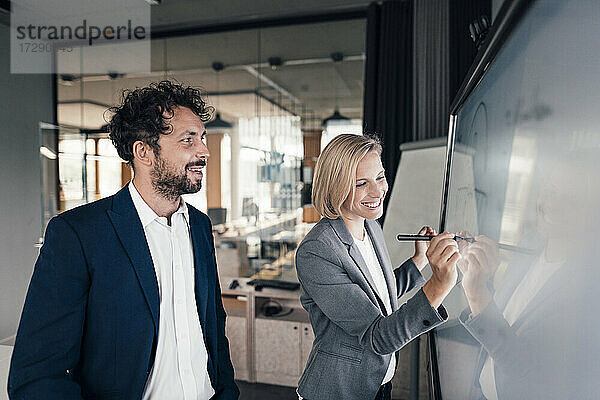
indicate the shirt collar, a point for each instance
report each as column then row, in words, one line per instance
column 146, row 214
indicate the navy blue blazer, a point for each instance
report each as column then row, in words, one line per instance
column 89, row 325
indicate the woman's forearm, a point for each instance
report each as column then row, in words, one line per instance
column 415, row 317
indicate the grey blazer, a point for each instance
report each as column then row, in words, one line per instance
column 354, row 336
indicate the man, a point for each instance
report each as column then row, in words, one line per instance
column 124, row 302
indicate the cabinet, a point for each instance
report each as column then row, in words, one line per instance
column 282, row 349
column 263, row 349
column 277, row 348
column 236, row 332
column 238, row 329
column 280, row 340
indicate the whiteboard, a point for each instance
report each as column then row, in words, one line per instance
column 532, row 123
column 416, row 198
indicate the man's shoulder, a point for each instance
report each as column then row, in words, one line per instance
column 87, row 213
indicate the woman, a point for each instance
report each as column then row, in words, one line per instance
column 347, row 283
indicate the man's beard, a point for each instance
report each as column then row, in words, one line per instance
column 171, row 184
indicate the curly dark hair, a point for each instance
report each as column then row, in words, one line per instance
column 144, row 114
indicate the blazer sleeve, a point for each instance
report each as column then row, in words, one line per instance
column 408, row 277
column 325, row 280
column 227, row 388
column 534, row 365
column 517, row 363
column 47, row 346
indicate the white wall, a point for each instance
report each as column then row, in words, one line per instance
column 25, row 100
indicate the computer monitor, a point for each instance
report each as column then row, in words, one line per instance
column 217, row 215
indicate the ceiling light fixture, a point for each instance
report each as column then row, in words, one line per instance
column 46, row 152
column 336, row 117
column 67, row 79
column 337, row 56
column 218, row 124
column 112, row 75
column 275, row 62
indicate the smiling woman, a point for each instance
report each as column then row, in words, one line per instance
column 335, row 172
column 369, row 191
column 349, row 286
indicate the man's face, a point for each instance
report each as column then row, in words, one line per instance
column 178, row 166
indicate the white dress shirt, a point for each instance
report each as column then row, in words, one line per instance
column 368, row 254
column 180, row 369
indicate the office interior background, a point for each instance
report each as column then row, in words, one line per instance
column 285, row 78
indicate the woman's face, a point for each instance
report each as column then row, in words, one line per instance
column 370, row 189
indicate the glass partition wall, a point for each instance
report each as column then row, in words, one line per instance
column 272, row 86
column 76, row 167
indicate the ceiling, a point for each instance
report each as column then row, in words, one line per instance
column 178, row 13
column 308, row 83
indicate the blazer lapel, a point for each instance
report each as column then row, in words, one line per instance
column 362, row 265
column 204, row 281
column 199, row 241
column 129, row 229
column 346, row 238
column 384, row 261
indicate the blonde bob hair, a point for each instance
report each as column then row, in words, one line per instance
column 335, row 172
